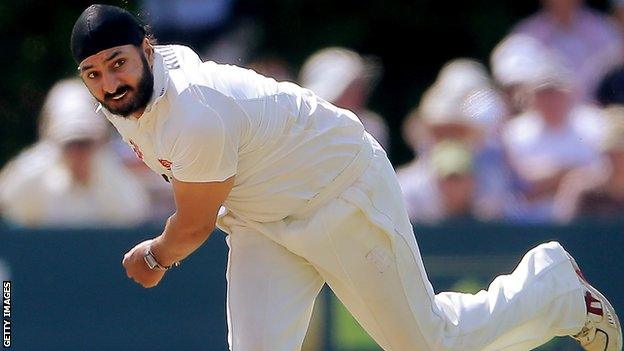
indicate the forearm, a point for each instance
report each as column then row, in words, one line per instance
column 179, row 240
column 197, row 207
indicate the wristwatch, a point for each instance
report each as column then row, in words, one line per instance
column 152, row 263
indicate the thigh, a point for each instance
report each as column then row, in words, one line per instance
column 381, row 281
column 271, row 292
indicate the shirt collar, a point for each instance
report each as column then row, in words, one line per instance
column 161, row 80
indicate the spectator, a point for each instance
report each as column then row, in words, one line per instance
column 345, row 78
column 597, row 191
column 460, row 106
column 516, row 62
column 555, row 136
column 70, row 177
column 439, row 115
column 446, row 188
column 585, row 40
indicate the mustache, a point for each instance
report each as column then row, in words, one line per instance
column 122, row 89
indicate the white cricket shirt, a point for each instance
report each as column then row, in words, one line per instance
column 207, row 122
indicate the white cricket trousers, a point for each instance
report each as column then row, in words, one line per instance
column 361, row 244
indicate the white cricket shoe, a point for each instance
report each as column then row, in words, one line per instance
column 602, row 330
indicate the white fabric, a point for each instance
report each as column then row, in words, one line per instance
column 260, row 274
column 362, row 245
column 211, row 121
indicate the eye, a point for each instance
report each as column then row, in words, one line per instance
column 119, row 63
column 92, row 75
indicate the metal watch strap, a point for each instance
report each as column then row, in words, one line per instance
column 153, row 263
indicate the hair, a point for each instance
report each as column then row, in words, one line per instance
column 143, row 18
column 149, row 34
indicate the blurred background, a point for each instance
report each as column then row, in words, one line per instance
column 504, row 120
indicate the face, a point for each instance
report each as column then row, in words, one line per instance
column 78, row 155
column 451, row 131
column 553, row 105
column 120, row 78
column 457, row 192
column 355, row 95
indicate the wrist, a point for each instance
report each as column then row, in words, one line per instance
column 161, row 254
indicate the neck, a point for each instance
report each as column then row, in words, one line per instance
column 138, row 113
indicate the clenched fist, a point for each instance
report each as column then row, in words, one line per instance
column 137, row 269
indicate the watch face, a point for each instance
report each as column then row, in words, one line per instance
column 150, row 260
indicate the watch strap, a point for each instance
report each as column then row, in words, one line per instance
column 153, row 263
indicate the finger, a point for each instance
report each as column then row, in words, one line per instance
column 126, row 258
column 130, row 270
column 148, row 285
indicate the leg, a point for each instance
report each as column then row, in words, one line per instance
column 381, row 280
column 270, row 294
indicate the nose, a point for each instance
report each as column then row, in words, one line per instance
column 110, row 83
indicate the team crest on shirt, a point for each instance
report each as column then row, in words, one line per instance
column 165, row 163
column 136, row 149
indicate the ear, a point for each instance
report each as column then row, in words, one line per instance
column 148, row 50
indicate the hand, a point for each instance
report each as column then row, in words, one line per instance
column 137, row 269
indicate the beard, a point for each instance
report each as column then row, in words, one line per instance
column 142, row 94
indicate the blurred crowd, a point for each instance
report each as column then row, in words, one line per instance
column 536, row 138
column 537, row 141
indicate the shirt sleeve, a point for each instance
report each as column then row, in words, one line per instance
column 204, row 147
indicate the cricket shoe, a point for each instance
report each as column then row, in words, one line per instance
column 602, row 330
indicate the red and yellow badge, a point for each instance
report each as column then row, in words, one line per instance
column 165, row 163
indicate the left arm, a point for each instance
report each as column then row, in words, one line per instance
column 197, row 206
column 203, row 148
